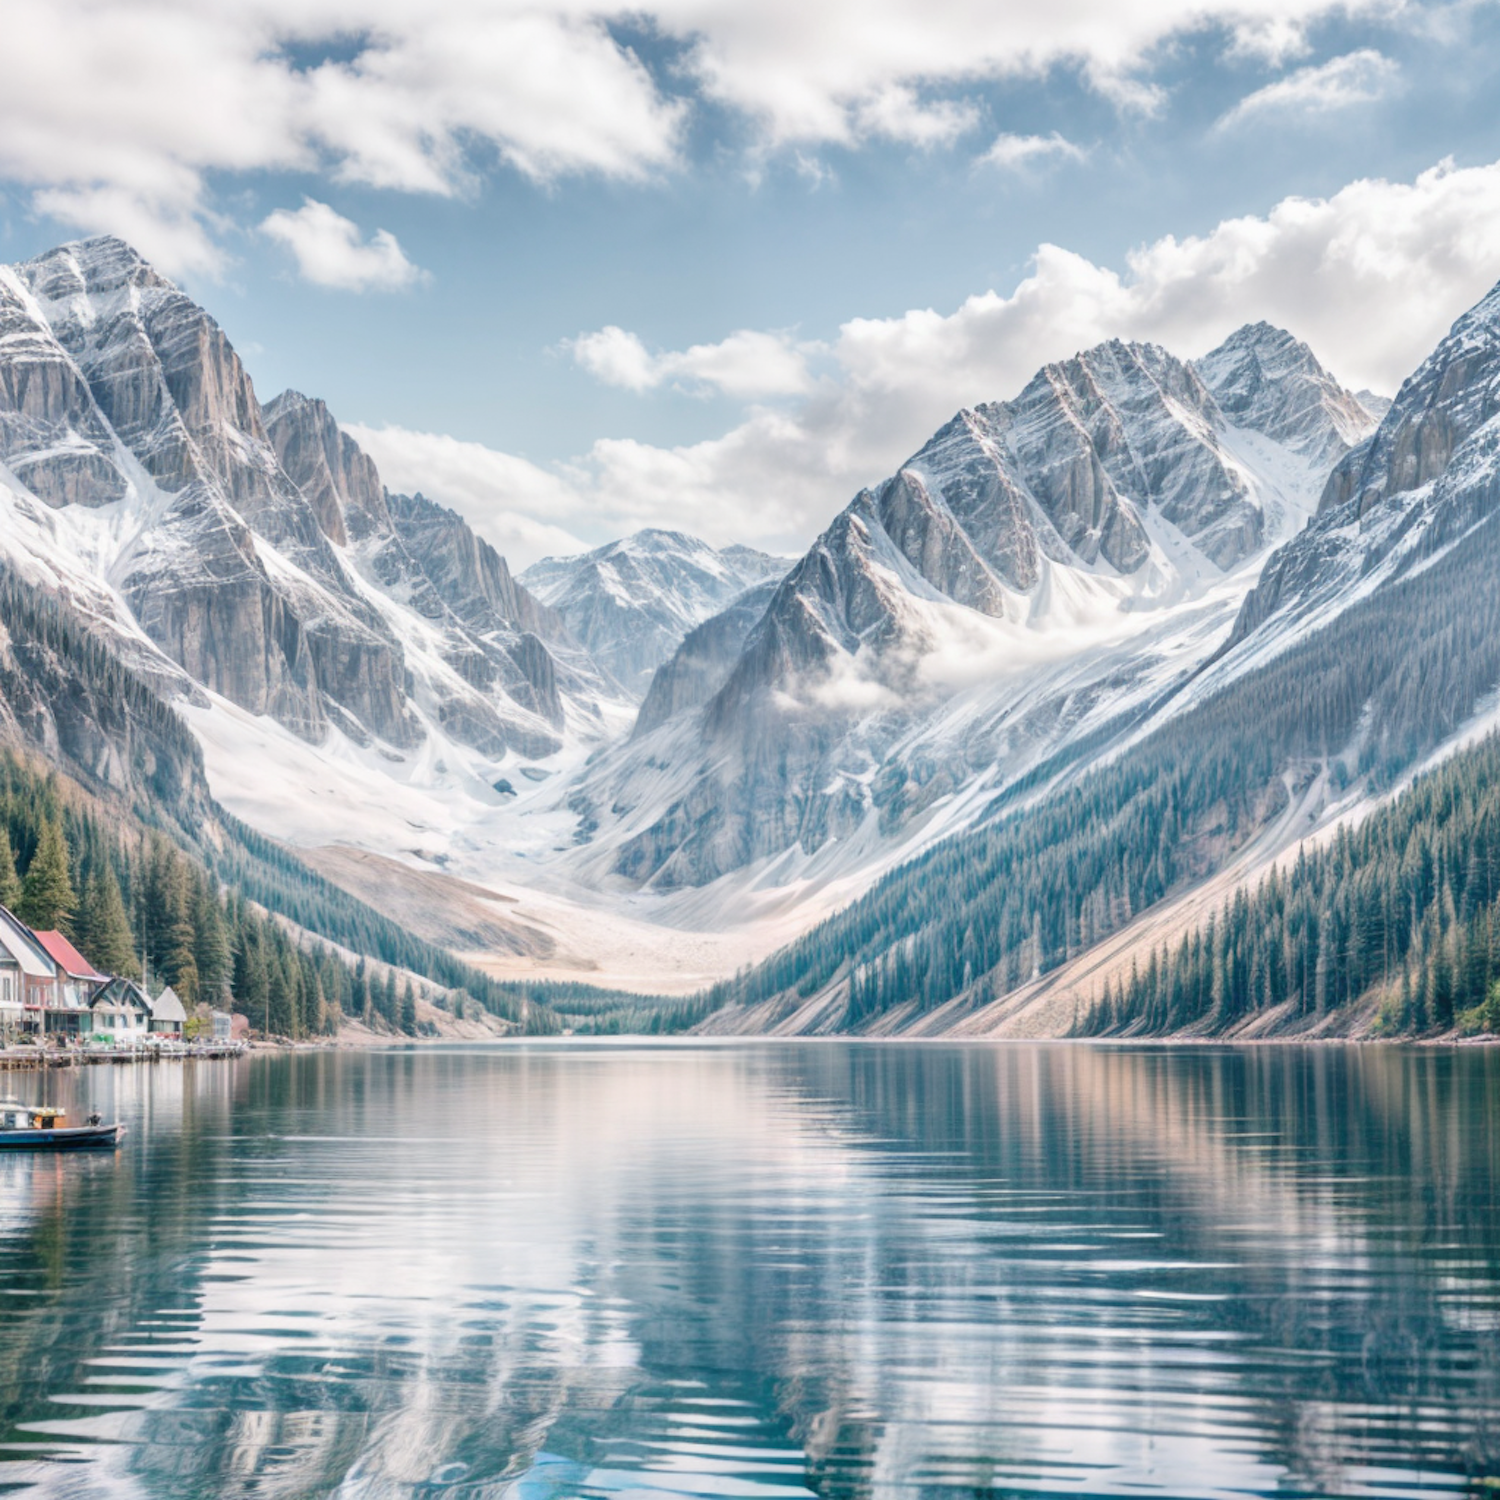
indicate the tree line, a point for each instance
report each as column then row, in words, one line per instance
column 1402, row 911
column 134, row 904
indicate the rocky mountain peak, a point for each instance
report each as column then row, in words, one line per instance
column 1269, row 382
column 338, row 478
column 1450, row 396
column 98, row 265
column 253, row 553
column 930, row 636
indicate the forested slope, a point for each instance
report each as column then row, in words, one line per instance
column 135, row 813
column 1390, row 678
column 1401, row 913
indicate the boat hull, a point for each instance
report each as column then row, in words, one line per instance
column 71, row 1138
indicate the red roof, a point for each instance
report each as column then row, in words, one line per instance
column 68, row 958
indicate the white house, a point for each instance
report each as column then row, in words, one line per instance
column 122, row 1011
column 167, row 1014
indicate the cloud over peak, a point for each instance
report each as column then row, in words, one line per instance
column 1417, row 253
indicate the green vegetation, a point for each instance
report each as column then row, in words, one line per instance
column 1403, row 910
column 146, row 910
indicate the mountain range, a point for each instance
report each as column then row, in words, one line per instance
column 1141, row 881
column 1034, row 577
column 632, row 602
column 1092, row 655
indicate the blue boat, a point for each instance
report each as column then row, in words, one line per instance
column 39, row 1127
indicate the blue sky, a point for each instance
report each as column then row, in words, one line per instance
column 714, row 264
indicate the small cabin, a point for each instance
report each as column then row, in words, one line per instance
column 168, row 1016
column 121, row 1011
column 223, row 1024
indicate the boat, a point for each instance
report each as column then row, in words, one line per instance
column 39, row 1127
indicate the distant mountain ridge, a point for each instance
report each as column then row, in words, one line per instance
column 631, row 602
column 1039, row 568
column 253, row 551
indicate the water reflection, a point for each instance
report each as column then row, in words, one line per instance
column 821, row 1269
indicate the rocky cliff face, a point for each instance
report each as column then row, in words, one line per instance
column 630, row 603
column 1424, row 477
column 336, row 477
column 255, row 550
column 1449, row 398
column 1006, row 593
column 702, row 663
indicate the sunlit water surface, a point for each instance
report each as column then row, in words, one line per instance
column 573, row 1270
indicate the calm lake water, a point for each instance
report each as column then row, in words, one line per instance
column 552, row 1271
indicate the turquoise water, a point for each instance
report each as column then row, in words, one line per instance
column 767, row 1271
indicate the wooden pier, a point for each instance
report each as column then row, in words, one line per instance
column 30, row 1059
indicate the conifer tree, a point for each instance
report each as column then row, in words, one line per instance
column 10, row 882
column 107, row 942
column 409, row 1010
column 47, row 896
column 181, row 967
column 251, row 985
column 210, row 945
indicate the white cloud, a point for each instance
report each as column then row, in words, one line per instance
column 1271, row 39
column 810, row 72
column 1371, row 278
column 1013, row 151
column 896, row 113
column 617, row 358
column 125, row 106
column 748, row 364
column 329, row 251
column 1356, row 78
column 116, row 112
column 167, row 230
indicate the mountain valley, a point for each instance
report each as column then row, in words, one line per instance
column 1100, row 653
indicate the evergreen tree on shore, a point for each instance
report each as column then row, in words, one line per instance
column 10, row 882
column 106, row 939
column 47, row 896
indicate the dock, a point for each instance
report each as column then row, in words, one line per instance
column 35, row 1058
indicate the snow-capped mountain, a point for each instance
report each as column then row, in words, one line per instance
column 1037, row 575
column 1041, row 582
column 1427, row 478
column 251, row 553
column 632, row 602
column 1368, row 650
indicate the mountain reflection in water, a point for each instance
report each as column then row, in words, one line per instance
column 764, row 1271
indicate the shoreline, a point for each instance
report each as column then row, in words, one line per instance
column 368, row 1042
column 40, row 1059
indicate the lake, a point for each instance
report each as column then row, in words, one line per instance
column 769, row 1271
